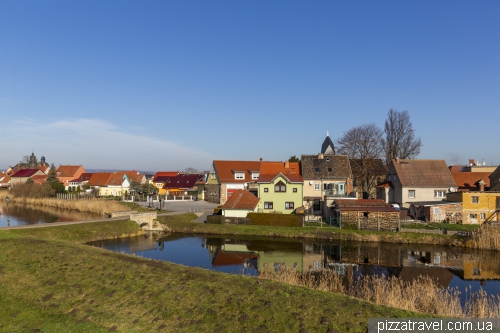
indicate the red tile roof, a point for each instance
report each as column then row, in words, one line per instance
column 165, row 174
column 469, row 180
column 182, row 181
column 241, row 200
column 99, row 178
column 39, row 179
column 270, row 170
column 68, row 170
column 362, row 205
column 423, row 173
column 223, row 258
column 226, row 169
column 385, row 184
column 25, row 173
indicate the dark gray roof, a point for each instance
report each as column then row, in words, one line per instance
column 327, row 147
column 328, row 167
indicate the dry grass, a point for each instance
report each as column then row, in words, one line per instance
column 486, row 238
column 97, row 206
column 420, row 295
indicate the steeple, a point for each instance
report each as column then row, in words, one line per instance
column 328, row 147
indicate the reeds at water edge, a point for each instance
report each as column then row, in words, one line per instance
column 422, row 294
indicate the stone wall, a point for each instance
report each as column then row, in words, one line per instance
column 213, row 193
column 141, row 218
column 451, row 213
column 387, row 221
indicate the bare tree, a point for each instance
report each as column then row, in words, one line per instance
column 363, row 145
column 191, row 170
column 400, row 140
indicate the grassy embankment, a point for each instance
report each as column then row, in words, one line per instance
column 51, row 282
column 486, row 237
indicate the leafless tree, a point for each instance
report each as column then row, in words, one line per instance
column 191, row 170
column 400, row 140
column 363, row 145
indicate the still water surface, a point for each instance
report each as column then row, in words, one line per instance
column 19, row 214
column 450, row 267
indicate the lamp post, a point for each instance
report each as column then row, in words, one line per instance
column 8, row 214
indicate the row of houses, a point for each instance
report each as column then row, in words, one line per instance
column 325, row 186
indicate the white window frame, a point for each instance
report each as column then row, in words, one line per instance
column 239, row 175
column 255, row 175
column 316, row 186
column 439, row 194
column 414, row 194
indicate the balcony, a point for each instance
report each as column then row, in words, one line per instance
column 338, row 194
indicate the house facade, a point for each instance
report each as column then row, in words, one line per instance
column 280, row 187
column 66, row 173
column 225, row 177
column 477, row 207
column 326, row 177
column 23, row 175
column 409, row 181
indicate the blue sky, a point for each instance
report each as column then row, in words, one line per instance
column 165, row 85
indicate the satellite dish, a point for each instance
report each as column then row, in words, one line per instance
column 311, row 182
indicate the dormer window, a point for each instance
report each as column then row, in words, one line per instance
column 255, row 175
column 239, row 175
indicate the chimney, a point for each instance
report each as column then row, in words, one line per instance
column 287, row 165
column 260, row 159
column 481, row 184
column 320, row 156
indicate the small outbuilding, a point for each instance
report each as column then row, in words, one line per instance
column 365, row 214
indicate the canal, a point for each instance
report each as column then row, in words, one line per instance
column 25, row 214
column 450, row 267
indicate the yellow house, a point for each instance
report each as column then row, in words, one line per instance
column 477, row 207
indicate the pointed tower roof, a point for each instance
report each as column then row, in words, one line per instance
column 327, row 147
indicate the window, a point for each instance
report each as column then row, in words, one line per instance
column 268, row 205
column 266, row 189
column 473, row 216
column 316, row 186
column 239, row 175
column 212, row 176
column 288, row 205
column 255, row 175
column 395, row 178
column 483, row 216
column 329, row 169
column 411, row 194
column 316, row 169
column 439, row 194
column 280, row 187
column 475, row 199
column 437, row 210
column 317, row 205
column 294, row 190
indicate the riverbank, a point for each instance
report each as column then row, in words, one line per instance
column 96, row 206
column 51, row 282
column 485, row 238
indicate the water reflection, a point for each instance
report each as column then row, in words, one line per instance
column 449, row 267
column 25, row 214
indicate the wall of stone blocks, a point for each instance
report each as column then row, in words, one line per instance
column 213, row 193
column 386, row 221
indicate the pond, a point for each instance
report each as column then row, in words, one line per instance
column 449, row 267
column 24, row 214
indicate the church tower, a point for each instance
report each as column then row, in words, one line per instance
column 328, row 147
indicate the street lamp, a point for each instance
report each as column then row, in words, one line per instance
column 8, row 214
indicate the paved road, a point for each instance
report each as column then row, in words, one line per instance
column 177, row 207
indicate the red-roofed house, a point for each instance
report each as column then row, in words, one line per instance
column 471, row 181
column 182, row 184
column 23, row 175
column 225, row 177
column 240, row 204
column 280, row 187
column 66, row 173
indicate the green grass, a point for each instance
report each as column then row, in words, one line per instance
column 51, row 282
column 183, row 224
column 446, row 226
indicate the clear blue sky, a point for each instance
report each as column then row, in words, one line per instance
column 165, row 85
